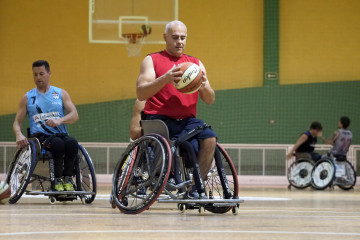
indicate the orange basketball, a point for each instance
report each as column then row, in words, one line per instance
column 5, row 192
column 191, row 79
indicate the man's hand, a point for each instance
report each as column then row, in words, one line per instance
column 53, row 122
column 173, row 75
column 289, row 155
column 204, row 80
column 21, row 141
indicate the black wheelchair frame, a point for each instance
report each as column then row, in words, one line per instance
column 147, row 164
column 34, row 166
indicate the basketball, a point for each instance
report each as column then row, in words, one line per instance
column 5, row 193
column 191, row 79
column 145, row 29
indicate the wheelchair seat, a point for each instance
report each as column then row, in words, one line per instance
column 340, row 158
column 155, row 126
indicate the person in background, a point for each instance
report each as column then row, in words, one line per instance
column 305, row 145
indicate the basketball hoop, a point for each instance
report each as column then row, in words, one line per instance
column 135, row 41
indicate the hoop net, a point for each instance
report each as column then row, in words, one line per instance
column 135, row 41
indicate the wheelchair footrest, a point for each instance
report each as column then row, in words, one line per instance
column 172, row 187
column 222, row 202
column 54, row 193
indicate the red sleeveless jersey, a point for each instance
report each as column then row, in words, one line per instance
column 169, row 101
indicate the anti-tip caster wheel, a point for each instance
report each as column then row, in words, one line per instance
column 235, row 210
column 52, row 200
column 113, row 203
column 83, row 200
column 182, row 207
column 202, row 210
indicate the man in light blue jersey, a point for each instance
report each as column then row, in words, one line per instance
column 49, row 109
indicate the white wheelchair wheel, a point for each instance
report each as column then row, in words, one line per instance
column 299, row 173
column 345, row 175
column 323, row 174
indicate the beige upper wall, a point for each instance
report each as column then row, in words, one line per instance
column 226, row 37
column 319, row 41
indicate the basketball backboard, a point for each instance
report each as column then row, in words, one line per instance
column 109, row 20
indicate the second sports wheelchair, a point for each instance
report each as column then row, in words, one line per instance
column 32, row 172
column 330, row 171
column 153, row 164
column 326, row 172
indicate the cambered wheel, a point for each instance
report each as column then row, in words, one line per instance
column 299, row 173
column 322, row 174
column 87, row 175
column 141, row 174
column 348, row 181
column 20, row 171
column 221, row 181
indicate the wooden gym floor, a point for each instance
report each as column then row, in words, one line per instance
column 267, row 213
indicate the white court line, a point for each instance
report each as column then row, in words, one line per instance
column 327, row 217
column 183, row 231
column 265, row 199
column 107, row 197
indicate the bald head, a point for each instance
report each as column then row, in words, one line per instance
column 175, row 38
column 171, row 25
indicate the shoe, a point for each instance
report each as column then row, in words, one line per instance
column 193, row 194
column 68, row 183
column 141, row 191
column 203, row 196
column 228, row 196
column 59, row 186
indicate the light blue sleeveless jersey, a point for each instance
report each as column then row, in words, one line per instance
column 44, row 106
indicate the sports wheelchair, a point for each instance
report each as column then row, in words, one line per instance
column 32, row 171
column 142, row 175
column 330, row 171
column 299, row 173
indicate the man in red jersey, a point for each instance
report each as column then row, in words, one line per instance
column 158, row 74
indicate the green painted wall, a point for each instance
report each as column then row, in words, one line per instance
column 237, row 116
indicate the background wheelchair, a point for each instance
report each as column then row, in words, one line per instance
column 299, row 173
column 32, row 172
column 142, row 175
column 330, row 171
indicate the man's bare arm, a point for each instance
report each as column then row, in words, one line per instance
column 207, row 94
column 21, row 140
column 148, row 85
